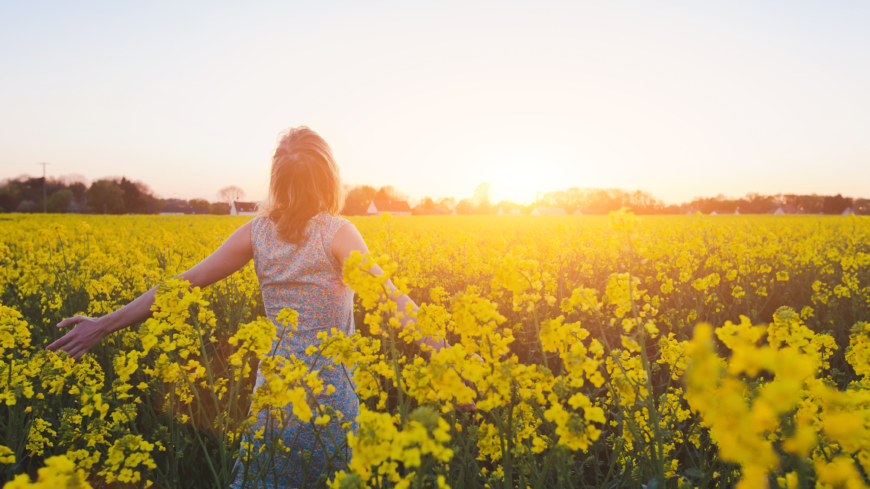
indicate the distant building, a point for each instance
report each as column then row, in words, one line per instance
column 714, row 213
column 510, row 212
column 848, row 212
column 548, row 211
column 243, row 208
column 577, row 213
column 737, row 212
column 174, row 210
column 394, row 207
column 785, row 209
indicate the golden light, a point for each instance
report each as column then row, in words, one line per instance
column 523, row 174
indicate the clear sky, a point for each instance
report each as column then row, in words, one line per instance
column 678, row 98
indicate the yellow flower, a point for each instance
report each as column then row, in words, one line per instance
column 7, row 456
column 59, row 472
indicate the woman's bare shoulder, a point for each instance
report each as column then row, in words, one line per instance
column 346, row 240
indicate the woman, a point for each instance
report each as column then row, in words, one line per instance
column 299, row 245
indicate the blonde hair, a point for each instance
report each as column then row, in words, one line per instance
column 304, row 182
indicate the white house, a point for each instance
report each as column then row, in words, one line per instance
column 510, row 212
column 394, row 207
column 737, row 212
column 848, row 212
column 548, row 211
column 577, row 213
column 243, row 208
column 714, row 213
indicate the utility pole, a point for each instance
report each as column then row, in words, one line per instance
column 44, row 183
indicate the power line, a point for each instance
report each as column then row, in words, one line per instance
column 44, row 184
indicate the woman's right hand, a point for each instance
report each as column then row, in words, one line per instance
column 88, row 333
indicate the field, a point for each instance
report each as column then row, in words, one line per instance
column 618, row 351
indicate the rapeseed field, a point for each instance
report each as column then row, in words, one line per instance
column 601, row 351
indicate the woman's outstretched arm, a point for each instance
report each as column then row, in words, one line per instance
column 347, row 240
column 231, row 256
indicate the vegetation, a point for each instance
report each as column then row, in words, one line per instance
column 114, row 196
column 604, row 352
column 104, row 196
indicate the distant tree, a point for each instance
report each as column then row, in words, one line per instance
column 8, row 203
column 507, row 206
column 219, row 208
column 388, row 192
column 78, row 189
column 59, row 201
column 599, row 200
column 105, row 197
column 642, row 202
column 384, row 193
column 230, row 194
column 33, row 189
column 861, row 206
column 482, row 199
column 28, row 206
column 427, row 203
column 573, row 199
column 811, row 204
column 465, row 206
column 137, row 196
column 836, row 204
column 80, row 201
column 357, row 200
column 447, row 203
column 482, row 195
column 198, row 203
column 760, row 204
column 199, row 206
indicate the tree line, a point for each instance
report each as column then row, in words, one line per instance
column 755, row 203
column 124, row 196
column 103, row 196
column 602, row 201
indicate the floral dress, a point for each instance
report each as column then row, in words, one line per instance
column 307, row 278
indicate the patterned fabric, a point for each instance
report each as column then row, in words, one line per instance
column 307, row 278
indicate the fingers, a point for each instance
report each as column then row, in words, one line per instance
column 74, row 350
column 70, row 321
column 77, row 352
column 59, row 343
column 69, row 346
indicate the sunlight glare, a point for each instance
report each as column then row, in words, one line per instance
column 522, row 175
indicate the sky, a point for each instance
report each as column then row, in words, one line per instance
column 681, row 99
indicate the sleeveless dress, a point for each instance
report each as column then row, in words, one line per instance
column 307, row 278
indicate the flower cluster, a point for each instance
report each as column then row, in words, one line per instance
column 605, row 352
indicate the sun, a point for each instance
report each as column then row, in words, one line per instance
column 514, row 184
column 522, row 173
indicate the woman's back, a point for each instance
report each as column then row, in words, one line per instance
column 304, row 276
column 307, row 278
